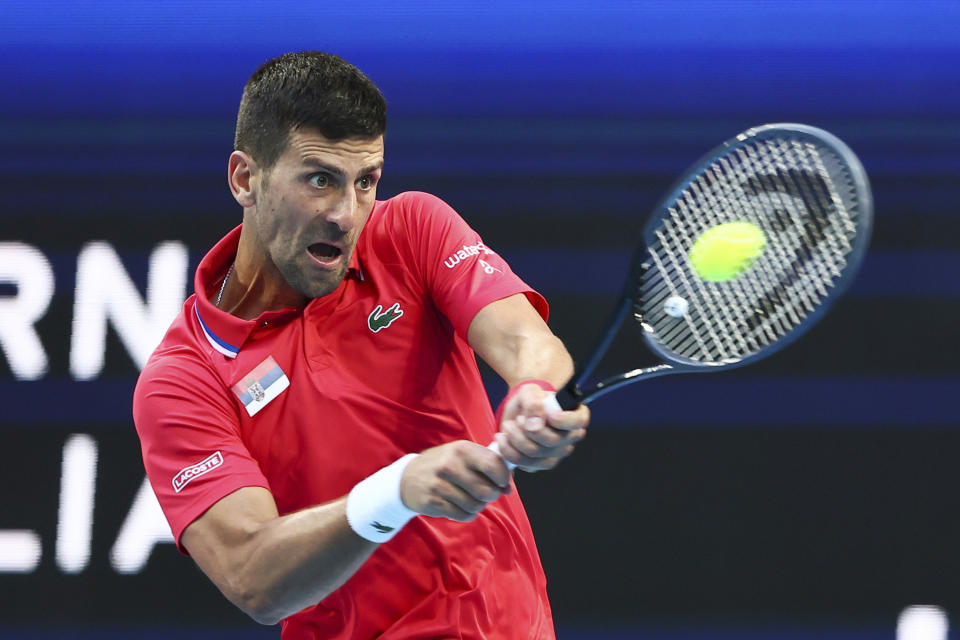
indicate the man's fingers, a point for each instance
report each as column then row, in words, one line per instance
column 549, row 436
column 533, row 437
column 456, row 480
column 476, row 487
column 532, row 463
column 457, row 503
column 566, row 420
column 510, row 452
column 538, row 434
column 534, row 445
column 491, row 468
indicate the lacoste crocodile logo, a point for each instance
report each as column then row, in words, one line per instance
column 382, row 528
column 380, row 319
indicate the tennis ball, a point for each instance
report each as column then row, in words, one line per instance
column 725, row 251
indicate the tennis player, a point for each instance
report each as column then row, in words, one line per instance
column 314, row 423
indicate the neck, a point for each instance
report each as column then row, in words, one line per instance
column 255, row 284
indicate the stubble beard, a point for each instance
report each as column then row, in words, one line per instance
column 310, row 287
column 295, row 266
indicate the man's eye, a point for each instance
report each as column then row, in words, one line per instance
column 365, row 183
column 320, row 180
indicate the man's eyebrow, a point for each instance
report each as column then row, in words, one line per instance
column 317, row 164
column 377, row 166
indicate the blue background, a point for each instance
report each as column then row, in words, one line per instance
column 809, row 495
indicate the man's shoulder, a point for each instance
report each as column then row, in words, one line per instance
column 178, row 383
column 179, row 356
column 410, row 207
column 409, row 199
column 397, row 221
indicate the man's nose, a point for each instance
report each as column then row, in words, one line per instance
column 343, row 212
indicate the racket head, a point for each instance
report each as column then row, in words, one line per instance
column 809, row 194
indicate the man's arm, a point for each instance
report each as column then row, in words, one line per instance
column 514, row 340
column 273, row 566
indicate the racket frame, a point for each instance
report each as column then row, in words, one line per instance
column 573, row 394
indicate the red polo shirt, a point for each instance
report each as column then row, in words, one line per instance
column 308, row 402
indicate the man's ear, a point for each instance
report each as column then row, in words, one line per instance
column 241, row 170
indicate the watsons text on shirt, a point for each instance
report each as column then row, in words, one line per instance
column 464, row 253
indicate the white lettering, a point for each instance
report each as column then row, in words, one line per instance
column 21, row 551
column 75, row 517
column 30, row 271
column 184, row 477
column 144, row 528
column 923, row 622
column 465, row 252
column 489, row 268
column 105, row 292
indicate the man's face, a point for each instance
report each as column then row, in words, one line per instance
column 312, row 205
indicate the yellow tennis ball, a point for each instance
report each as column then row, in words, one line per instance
column 725, row 251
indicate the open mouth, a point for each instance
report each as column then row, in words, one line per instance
column 324, row 252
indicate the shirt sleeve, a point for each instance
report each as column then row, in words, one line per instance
column 190, row 438
column 461, row 273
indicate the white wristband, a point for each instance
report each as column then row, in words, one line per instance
column 374, row 507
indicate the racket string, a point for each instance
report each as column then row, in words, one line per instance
column 703, row 192
column 823, row 255
column 823, row 261
column 782, row 304
column 787, row 188
column 694, row 329
column 721, row 350
column 733, row 202
column 700, row 191
column 775, row 308
column 841, row 243
column 717, row 201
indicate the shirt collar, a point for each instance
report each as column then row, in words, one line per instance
column 227, row 333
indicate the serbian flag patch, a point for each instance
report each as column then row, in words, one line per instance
column 260, row 386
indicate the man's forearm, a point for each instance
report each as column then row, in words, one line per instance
column 272, row 567
column 514, row 340
column 285, row 564
column 541, row 356
column 302, row 558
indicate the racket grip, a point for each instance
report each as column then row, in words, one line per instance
column 493, row 446
column 567, row 398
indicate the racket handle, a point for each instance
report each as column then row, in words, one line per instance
column 493, row 446
column 567, row 398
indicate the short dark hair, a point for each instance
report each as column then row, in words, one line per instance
column 306, row 89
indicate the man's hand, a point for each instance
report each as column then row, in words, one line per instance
column 454, row 480
column 533, row 438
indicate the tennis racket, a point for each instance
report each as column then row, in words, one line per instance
column 808, row 194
